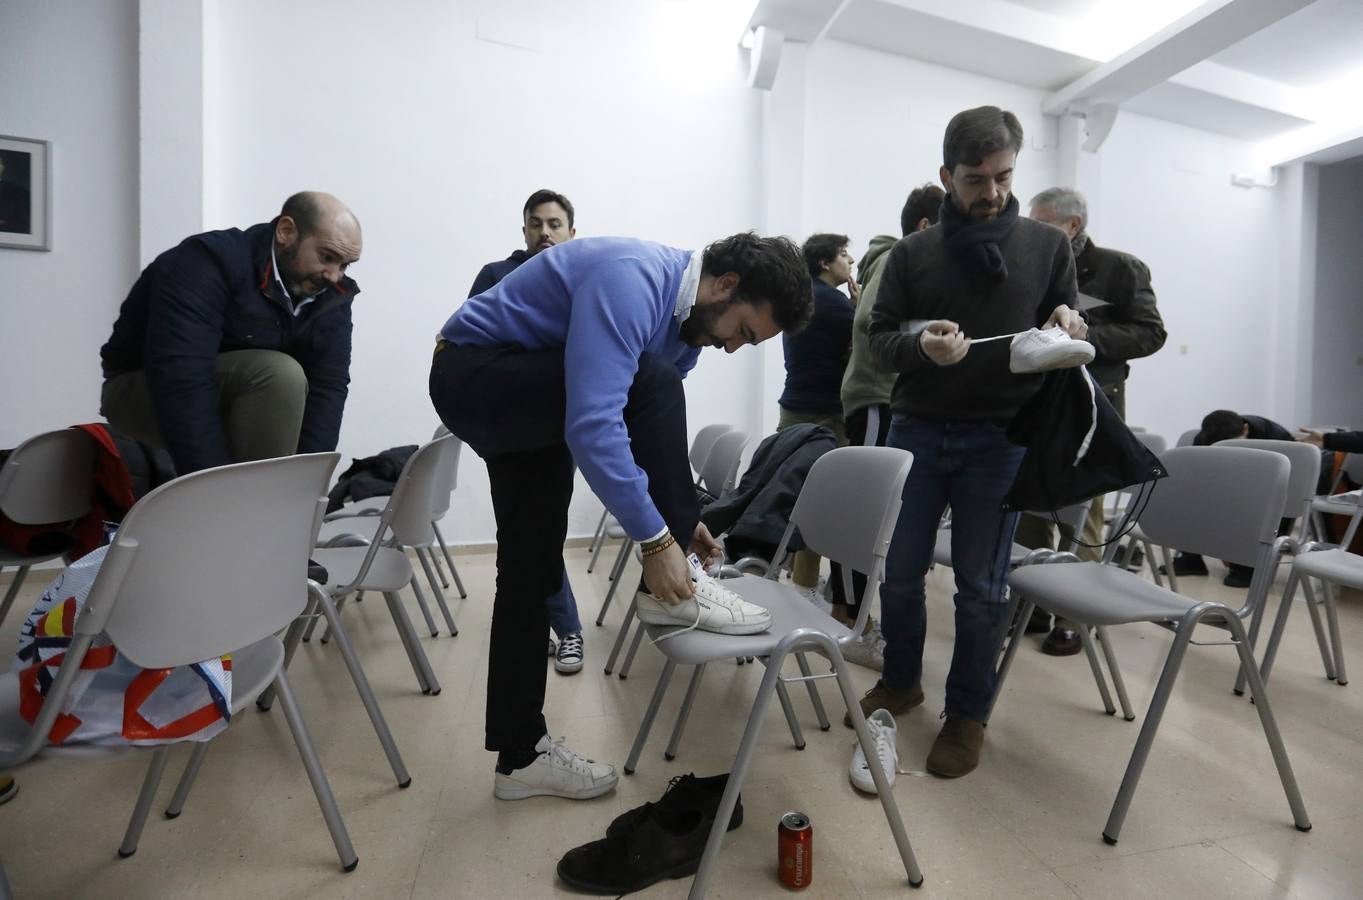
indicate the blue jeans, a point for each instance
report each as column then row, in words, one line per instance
column 563, row 610
column 968, row 466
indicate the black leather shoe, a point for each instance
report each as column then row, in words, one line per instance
column 1187, row 564
column 659, row 844
column 683, row 792
column 317, row 572
column 1062, row 642
column 1238, row 576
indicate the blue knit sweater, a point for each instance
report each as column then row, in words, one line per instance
column 604, row 301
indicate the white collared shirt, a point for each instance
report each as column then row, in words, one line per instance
column 690, row 284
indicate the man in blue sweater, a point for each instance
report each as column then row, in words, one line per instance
column 578, row 356
column 235, row 345
column 547, row 219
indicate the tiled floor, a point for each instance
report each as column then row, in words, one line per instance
column 1209, row 819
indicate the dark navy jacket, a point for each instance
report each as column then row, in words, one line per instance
column 494, row 272
column 817, row 356
column 214, row 293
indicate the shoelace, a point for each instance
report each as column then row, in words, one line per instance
column 570, row 646
column 568, row 759
column 704, row 586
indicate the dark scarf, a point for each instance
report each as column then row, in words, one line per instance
column 977, row 242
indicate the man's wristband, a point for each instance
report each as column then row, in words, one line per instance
column 650, row 548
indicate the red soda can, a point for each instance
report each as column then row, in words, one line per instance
column 795, row 850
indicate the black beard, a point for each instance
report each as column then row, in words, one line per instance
column 696, row 330
column 288, row 273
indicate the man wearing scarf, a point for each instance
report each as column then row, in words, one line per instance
column 981, row 272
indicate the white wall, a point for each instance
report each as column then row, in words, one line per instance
column 69, row 75
column 638, row 112
column 1337, row 351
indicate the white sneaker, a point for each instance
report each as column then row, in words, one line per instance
column 710, row 608
column 568, row 659
column 557, row 772
column 884, row 732
column 818, row 597
column 1036, row 350
column 866, row 651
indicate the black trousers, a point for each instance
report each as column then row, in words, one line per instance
column 857, row 436
column 508, row 404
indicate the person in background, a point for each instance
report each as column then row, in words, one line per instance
column 547, row 218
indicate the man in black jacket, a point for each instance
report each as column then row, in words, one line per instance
column 547, row 220
column 981, row 272
column 235, row 345
column 1126, row 326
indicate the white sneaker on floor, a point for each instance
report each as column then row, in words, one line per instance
column 1037, row 350
column 866, row 651
column 884, row 732
column 817, row 596
column 557, row 772
column 568, row 659
column 710, row 608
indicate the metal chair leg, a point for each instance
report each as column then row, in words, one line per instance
column 187, row 778
column 633, row 649
column 449, row 561
column 292, row 636
column 1118, row 683
column 340, row 605
column 1087, row 639
column 320, row 786
column 620, row 638
column 1149, row 552
column 598, row 541
column 1336, row 641
column 814, row 697
column 439, row 568
column 144, row 801
column 371, row 704
column 748, row 745
column 649, row 715
column 616, row 568
column 684, row 713
column 1019, row 620
column 796, row 732
column 1169, row 568
column 435, row 589
column 15, row 584
column 415, row 653
column 1279, row 624
column 1327, row 658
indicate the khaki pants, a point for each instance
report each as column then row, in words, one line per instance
column 804, row 571
column 261, row 397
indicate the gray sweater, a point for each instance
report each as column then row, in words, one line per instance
column 923, row 281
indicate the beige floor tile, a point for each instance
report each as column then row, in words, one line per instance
column 1324, row 862
column 1203, row 870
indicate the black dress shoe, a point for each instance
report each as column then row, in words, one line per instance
column 660, row 844
column 683, row 792
column 1238, row 576
column 1187, row 564
column 1062, row 642
column 317, row 572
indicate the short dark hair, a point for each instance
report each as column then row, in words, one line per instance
column 976, row 133
column 822, row 248
column 924, row 203
column 544, row 195
column 1219, row 425
column 770, row 270
column 305, row 210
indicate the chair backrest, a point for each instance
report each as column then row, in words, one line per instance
column 1155, row 442
column 1305, row 471
column 1186, row 438
column 211, row 562
column 720, row 471
column 420, row 492
column 1222, row 502
column 48, row 478
column 704, row 442
column 447, row 479
column 849, row 504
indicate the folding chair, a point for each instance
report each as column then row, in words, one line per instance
column 406, row 521
column 717, row 477
column 178, row 587
column 45, row 480
column 846, row 511
column 1203, row 505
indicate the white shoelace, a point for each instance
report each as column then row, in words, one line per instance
column 704, row 586
column 570, row 646
column 565, row 758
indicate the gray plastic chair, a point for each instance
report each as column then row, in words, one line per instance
column 717, row 477
column 1186, row 438
column 1201, row 506
column 407, row 520
column 170, row 595
column 846, row 511
column 1331, row 503
column 48, row 479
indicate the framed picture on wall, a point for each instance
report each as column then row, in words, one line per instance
column 25, row 193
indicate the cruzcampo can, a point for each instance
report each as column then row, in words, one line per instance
column 795, row 850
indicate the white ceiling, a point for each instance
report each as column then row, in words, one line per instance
column 1266, row 85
